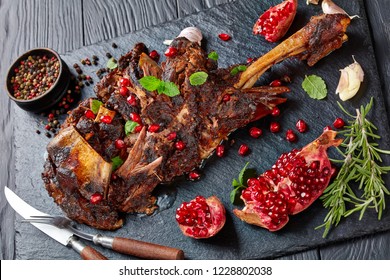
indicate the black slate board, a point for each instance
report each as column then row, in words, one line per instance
column 237, row 240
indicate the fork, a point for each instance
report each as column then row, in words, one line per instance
column 122, row 245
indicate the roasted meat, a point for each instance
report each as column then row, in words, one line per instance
column 171, row 136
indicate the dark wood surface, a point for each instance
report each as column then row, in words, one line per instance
column 68, row 25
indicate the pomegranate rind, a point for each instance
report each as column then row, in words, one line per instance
column 218, row 216
column 315, row 152
column 282, row 27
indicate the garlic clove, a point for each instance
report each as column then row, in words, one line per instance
column 192, row 33
column 328, row 7
column 350, row 80
column 314, row 2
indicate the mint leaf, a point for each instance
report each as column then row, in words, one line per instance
column 235, row 183
column 241, row 175
column 240, row 184
column 237, row 69
column 95, row 106
column 198, row 78
column 116, row 162
column 213, row 56
column 111, row 63
column 150, row 83
column 170, row 89
column 235, row 194
column 315, row 87
column 130, row 126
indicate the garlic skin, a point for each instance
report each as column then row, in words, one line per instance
column 314, row 2
column 351, row 78
column 328, row 7
column 192, row 33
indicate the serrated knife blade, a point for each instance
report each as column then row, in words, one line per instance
column 63, row 236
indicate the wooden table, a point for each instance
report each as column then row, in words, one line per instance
column 68, row 25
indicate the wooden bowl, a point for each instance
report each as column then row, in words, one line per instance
column 51, row 96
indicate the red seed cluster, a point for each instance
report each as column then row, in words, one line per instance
column 196, row 215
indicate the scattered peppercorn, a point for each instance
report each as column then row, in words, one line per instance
column 114, row 45
column 109, row 55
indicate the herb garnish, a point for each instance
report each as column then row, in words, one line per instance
column 241, row 183
column 237, row 69
column 315, row 87
column 95, row 106
column 360, row 163
column 130, row 126
column 213, row 55
column 198, row 78
column 152, row 83
column 111, row 63
column 116, row 162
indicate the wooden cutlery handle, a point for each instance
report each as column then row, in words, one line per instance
column 146, row 250
column 140, row 249
column 89, row 253
column 86, row 252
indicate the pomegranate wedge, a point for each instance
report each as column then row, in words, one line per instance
column 276, row 21
column 293, row 183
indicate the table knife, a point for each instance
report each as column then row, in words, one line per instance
column 63, row 236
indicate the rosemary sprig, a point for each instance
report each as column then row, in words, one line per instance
column 361, row 159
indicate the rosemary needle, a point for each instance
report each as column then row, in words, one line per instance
column 360, row 163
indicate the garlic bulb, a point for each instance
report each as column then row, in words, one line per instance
column 328, row 7
column 192, row 33
column 314, row 2
column 350, row 80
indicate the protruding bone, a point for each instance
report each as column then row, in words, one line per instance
column 322, row 35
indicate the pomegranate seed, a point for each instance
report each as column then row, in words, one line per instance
column 180, row 145
column 113, row 176
column 132, row 100
column 89, row 114
column 275, row 112
column 301, row 126
column 339, row 123
column 220, row 151
column 274, row 127
column 96, row 198
column 224, row 37
column 255, row 132
column 243, row 150
column 123, row 91
column 275, row 83
column 120, row 144
column 47, row 127
column 291, row 136
column 154, row 55
column 138, row 128
column 194, row 175
column 172, row 136
column 106, row 119
column 253, row 182
column 170, row 52
column 154, row 128
column 124, row 82
column 249, row 60
column 226, row 97
column 327, row 128
column 135, row 117
column 51, row 116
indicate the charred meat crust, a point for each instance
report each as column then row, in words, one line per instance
column 200, row 118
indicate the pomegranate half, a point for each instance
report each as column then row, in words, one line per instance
column 293, row 183
column 276, row 21
column 201, row 217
